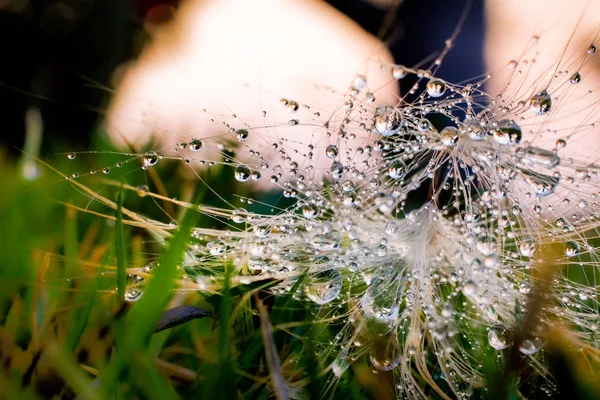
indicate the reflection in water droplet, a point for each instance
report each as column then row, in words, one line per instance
column 387, row 120
column 324, row 287
column 498, row 337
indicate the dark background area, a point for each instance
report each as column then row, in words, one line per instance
column 52, row 50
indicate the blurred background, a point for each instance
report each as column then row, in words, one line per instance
column 63, row 56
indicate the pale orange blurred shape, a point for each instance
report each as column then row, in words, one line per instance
column 241, row 57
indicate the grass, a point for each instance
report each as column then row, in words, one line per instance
column 66, row 331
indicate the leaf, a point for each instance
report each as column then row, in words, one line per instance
column 179, row 315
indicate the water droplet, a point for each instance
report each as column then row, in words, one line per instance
column 436, row 88
column 239, row 215
column 541, row 157
column 469, row 288
column 324, row 287
column 386, row 357
column 133, row 294
column 498, row 338
column 241, row 134
column 391, row 228
column 472, row 214
column 541, row 103
column 507, row 133
column 150, row 158
column 396, row 169
column 242, row 173
column 572, row 248
column 310, row 211
column 105, row 170
column 449, row 136
column 530, row 345
column 195, row 144
column 527, row 248
column 331, row 151
column 360, row 82
column 591, row 49
column 337, row 170
column 387, row 120
column 399, row 72
column 423, row 125
column 543, row 185
column 71, row 156
column 292, row 106
column 142, row 190
column 377, row 303
column 575, row 78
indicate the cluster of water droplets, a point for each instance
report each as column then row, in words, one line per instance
column 424, row 220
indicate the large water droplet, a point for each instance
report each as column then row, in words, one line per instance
column 572, row 248
column 242, row 173
column 541, row 103
column 324, row 287
column 449, row 136
column 310, row 211
column 436, row 88
column 541, row 157
column 241, row 134
column 133, row 294
column 387, row 120
column 150, row 158
column 530, row 345
column 543, row 185
column 378, row 303
column 331, row 151
column 507, row 133
column 386, row 357
column 195, row 144
column 337, row 170
column 498, row 338
column 396, row 169
column 575, row 78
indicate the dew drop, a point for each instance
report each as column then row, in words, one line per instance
column 541, row 157
column 436, row 88
column 241, row 134
column 71, row 156
column 324, row 287
column 543, row 185
column 133, row 294
column 331, row 151
column 396, row 169
column 541, row 103
column 310, row 211
column 150, row 158
column 498, row 338
column 242, row 173
column 399, row 72
column 386, row 357
column 591, row 49
column 572, row 248
column 195, row 144
column 387, row 120
column 575, row 78
column 530, row 345
column 508, row 133
column 449, row 136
